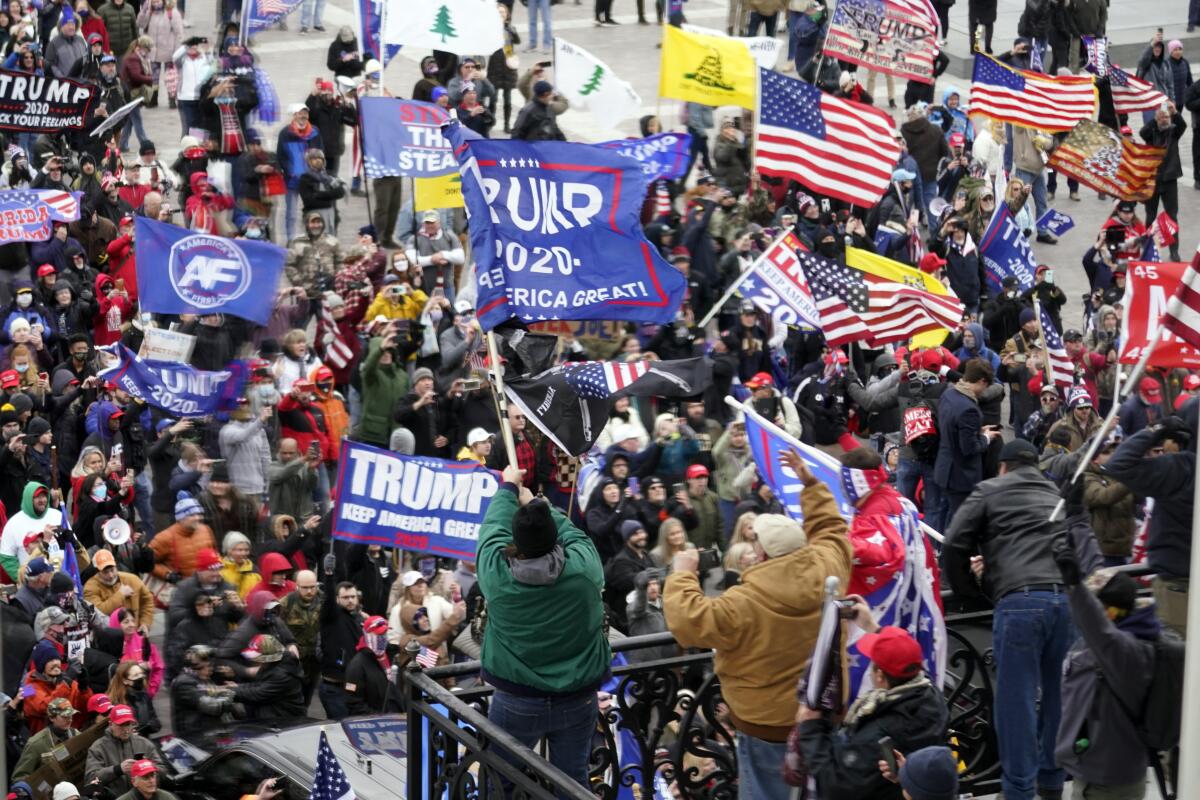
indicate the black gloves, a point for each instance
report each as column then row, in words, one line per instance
column 1172, row 427
column 329, row 564
column 1068, row 564
column 1072, row 494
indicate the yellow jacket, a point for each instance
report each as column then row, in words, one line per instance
column 764, row 629
column 243, row 577
column 409, row 306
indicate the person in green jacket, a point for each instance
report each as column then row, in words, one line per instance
column 59, row 715
column 384, row 381
column 544, row 647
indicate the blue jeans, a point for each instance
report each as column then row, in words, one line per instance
column 333, row 700
column 1038, row 182
column 133, row 125
column 141, row 498
column 908, row 474
column 759, row 774
column 291, row 209
column 542, row 6
column 310, row 13
column 1031, row 632
column 187, row 114
column 566, row 724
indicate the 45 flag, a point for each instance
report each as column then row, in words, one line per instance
column 556, row 235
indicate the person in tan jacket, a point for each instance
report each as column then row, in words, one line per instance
column 109, row 590
column 764, row 628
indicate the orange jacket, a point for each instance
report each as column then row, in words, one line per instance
column 175, row 550
column 43, row 692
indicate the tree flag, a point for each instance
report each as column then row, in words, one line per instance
column 463, row 27
column 713, row 70
column 589, row 83
column 556, row 233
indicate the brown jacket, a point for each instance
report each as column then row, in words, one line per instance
column 1110, row 504
column 175, row 550
column 108, row 598
column 764, row 628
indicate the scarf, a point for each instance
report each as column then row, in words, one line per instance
column 869, row 702
column 380, row 657
column 233, row 143
column 302, row 132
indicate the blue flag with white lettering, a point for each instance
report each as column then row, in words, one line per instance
column 1056, row 222
column 181, row 390
column 556, row 234
column 663, row 156
column 185, row 272
column 1006, row 252
column 404, row 137
column 429, row 505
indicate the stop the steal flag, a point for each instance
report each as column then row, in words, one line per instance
column 184, row 272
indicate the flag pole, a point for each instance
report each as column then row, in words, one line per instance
column 733, row 287
column 497, row 371
column 1189, row 768
column 383, row 6
column 1110, row 420
column 1037, row 312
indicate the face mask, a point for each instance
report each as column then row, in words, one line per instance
column 827, row 249
column 377, row 642
column 20, row 367
column 253, row 233
column 266, row 392
column 79, row 356
column 431, row 69
column 139, row 685
column 100, row 492
column 25, row 299
column 435, row 316
column 66, row 600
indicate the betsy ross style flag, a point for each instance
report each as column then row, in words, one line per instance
column 1182, row 316
column 1030, row 99
column 329, row 780
column 842, row 149
column 260, row 14
column 1062, row 371
column 1130, row 93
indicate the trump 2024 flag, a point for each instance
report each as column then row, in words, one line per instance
column 462, row 27
column 556, row 234
column 183, row 272
column 590, row 83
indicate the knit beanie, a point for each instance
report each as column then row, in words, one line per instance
column 534, row 531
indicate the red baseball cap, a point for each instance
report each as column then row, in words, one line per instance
column 321, row 374
column 208, row 559
column 1191, row 383
column 142, row 767
column 697, row 471
column 10, row 377
column 120, row 715
column 957, row 139
column 759, row 379
column 931, row 263
column 46, row 269
column 1150, row 388
column 99, row 704
column 375, row 625
column 893, row 650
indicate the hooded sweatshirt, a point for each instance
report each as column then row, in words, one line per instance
column 20, row 525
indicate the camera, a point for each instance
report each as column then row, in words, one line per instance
column 709, row 558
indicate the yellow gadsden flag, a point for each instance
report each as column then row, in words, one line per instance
column 895, row 272
column 444, row 191
column 712, row 70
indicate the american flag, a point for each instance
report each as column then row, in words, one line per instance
column 1099, row 157
column 1130, row 93
column 897, row 36
column 1182, row 317
column 260, row 14
column 1062, row 371
column 337, row 352
column 839, row 148
column 329, row 780
column 599, row 379
column 1029, row 99
column 858, row 306
column 427, row 658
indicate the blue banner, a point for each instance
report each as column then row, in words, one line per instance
column 663, row 156
column 1056, row 222
column 404, row 137
column 27, row 215
column 1006, row 252
column 183, row 272
column 368, row 16
column 429, row 505
column 181, row 390
column 556, row 235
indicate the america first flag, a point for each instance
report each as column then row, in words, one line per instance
column 26, row 215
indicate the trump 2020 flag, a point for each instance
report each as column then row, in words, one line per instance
column 556, row 235
column 463, row 27
column 368, row 22
column 182, row 272
column 329, row 780
column 26, row 215
column 590, row 83
column 404, row 137
column 1006, row 252
column 776, row 284
column 1056, row 222
column 178, row 389
column 663, row 156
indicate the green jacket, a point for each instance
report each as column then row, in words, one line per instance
column 382, row 386
column 39, row 745
column 548, row 638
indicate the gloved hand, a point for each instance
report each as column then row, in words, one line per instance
column 1072, row 493
column 1068, row 564
column 329, row 564
column 1172, row 427
column 73, row 672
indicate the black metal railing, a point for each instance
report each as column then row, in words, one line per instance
column 666, row 723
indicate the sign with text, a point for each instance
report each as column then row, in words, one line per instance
column 1148, row 287
column 160, row 344
column 27, row 215
column 37, row 103
column 437, row 193
column 1006, row 252
column 404, row 137
column 429, row 505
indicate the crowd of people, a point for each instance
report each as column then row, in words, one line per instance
column 145, row 554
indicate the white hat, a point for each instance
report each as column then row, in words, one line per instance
column 346, row 84
column 779, row 535
column 625, row 431
column 65, row 791
column 296, row 108
column 116, row 531
column 410, row 578
column 478, row 435
column 372, row 66
column 463, row 306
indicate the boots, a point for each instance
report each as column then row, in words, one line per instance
column 153, row 102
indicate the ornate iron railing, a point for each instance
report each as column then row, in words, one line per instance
column 666, row 723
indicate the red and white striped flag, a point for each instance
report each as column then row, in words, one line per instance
column 1131, row 94
column 427, row 658
column 1030, row 99
column 1182, row 316
column 898, row 37
column 1062, row 370
column 837, row 147
column 337, row 353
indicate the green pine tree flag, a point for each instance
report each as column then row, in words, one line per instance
column 593, row 82
column 442, row 25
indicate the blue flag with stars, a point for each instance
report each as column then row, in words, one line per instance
column 329, row 779
column 556, row 234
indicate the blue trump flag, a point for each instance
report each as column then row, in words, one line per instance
column 184, row 272
column 663, row 156
column 1006, row 252
column 1056, row 222
column 178, row 389
column 368, row 18
column 404, row 137
column 429, row 505
column 556, row 234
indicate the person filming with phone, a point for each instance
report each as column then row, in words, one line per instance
column 963, row 436
column 778, row 600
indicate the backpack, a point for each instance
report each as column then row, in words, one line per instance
column 921, row 433
column 1161, row 716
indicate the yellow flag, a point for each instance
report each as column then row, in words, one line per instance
column 875, row 264
column 713, row 70
column 444, row 191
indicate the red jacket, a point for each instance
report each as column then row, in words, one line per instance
column 303, row 423
column 42, row 692
column 122, row 263
column 115, row 309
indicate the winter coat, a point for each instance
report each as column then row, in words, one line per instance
column 961, row 443
column 499, row 74
column 548, row 638
column 777, row 600
column 121, row 21
column 1156, row 71
column 1181, row 79
column 175, row 550
column 344, row 58
column 537, row 123
column 290, row 149
column 1089, row 17
column 1171, row 168
column 106, row 754
column 63, row 53
column 197, row 706
column 729, row 165
column 807, row 34
column 107, row 599
column 330, row 119
column 1111, row 506
column 367, row 686
column 275, row 692
column 165, row 27
column 926, row 145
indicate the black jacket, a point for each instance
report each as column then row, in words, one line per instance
column 340, row 632
column 1170, row 169
column 1005, row 521
column 537, row 123
column 618, row 580
column 373, row 577
column 276, row 692
column 845, row 762
column 961, row 445
column 371, row 693
column 197, row 706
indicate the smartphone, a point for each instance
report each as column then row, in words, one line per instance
column 471, row 384
column 427, row 567
column 1114, row 235
column 1020, row 358
column 44, row 376
column 215, row 461
column 438, row 292
column 544, row 64
column 709, row 558
column 887, row 751
column 634, row 485
column 676, row 488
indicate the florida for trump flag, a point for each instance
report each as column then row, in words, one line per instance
column 27, row 215
column 837, row 147
column 1030, row 99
